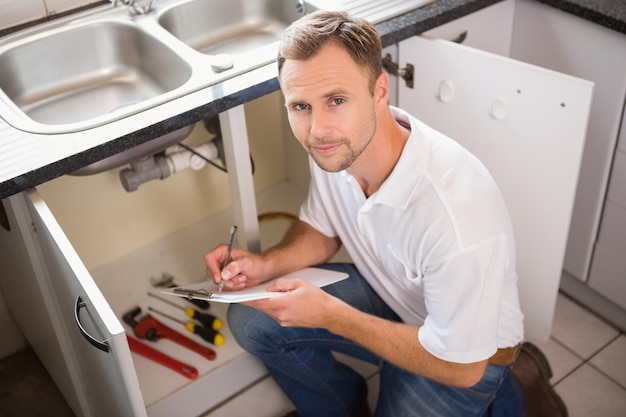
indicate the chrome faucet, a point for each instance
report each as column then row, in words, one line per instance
column 301, row 7
column 136, row 6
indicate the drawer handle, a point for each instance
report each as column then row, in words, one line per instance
column 393, row 68
column 461, row 38
column 103, row 346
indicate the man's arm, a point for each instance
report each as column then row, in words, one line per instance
column 304, row 305
column 302, row 246
column 398, row 343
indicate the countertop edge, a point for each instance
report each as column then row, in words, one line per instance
column 262, row 81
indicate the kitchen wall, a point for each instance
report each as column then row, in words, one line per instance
column 16, row 12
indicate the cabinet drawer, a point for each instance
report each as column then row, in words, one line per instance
column 608, row 274
column 617, row 184
column 622, row 136
column 613, row 228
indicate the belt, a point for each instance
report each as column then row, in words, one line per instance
column 505, row 356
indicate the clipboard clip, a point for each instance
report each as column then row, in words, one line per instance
column 191, row 294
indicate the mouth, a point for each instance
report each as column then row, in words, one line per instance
column 326, row 149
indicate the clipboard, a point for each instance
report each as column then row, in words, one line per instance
column 209, row 291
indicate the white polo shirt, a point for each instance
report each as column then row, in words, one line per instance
column 435, row 242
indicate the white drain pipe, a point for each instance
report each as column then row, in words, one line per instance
column 175, row 159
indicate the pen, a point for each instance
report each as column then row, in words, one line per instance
column 231, row 242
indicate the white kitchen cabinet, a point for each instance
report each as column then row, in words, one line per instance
column 489, row 29
column 112, row 380
column 66, row 288
column 593, row 268
column 527, row 125
column 121, row 386
column 608, row 267
column 25, row 287
column 111, row 290
column 563, row 42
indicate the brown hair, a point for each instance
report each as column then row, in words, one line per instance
column 305, row 37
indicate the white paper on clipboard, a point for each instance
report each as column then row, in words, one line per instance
column 208, row 291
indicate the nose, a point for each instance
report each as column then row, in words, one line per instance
column 321, row 124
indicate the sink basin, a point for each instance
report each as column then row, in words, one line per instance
column 96, row 73
column 231, row 27
column 91, row 69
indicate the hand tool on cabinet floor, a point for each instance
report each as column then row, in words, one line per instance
column 149, row 352
column 151, row 329
column 207, row 320
column 167, row 281
column 205, row 333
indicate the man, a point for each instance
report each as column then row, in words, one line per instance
column 432, row 295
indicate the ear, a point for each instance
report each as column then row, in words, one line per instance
column 381, row 88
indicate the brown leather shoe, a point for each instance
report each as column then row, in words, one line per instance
column 532, row 371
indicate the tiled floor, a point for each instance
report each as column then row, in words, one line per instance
column 587, row 356
column 588, row 359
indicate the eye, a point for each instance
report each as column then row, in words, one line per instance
column 337, row 101
column 300, row 106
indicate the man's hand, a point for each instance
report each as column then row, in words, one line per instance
column 301, row 305
column 245, row 269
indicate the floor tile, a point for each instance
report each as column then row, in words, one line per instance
column 587, row 393
column 578, row 329
column 561, row 360
column 612, row 360
column 27, row 390
column 263, row 399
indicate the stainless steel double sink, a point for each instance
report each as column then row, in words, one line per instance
column 94, row 68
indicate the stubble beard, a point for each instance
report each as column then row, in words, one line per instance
column 331, row 164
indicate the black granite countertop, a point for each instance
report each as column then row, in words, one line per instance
column 27, row 160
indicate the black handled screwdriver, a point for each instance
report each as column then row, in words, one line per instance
column 207, row 320
column 205, row 333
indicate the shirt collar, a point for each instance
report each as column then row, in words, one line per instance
column 399, row 187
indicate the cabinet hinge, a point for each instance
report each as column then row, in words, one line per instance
column 394, row 69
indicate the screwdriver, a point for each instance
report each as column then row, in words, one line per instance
column 209, row 321
column 207, row 334
column 167, row 281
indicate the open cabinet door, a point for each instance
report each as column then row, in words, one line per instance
column 25, row 289
column 527, row 125
column 105, row 365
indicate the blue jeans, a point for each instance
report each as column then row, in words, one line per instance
column 301, row 362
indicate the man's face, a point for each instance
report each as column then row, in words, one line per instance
column 331, row 108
